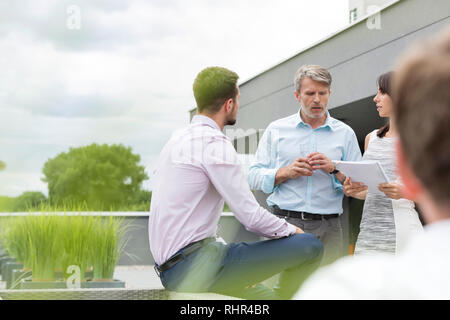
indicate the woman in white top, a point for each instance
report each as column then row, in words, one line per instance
column 388, row 220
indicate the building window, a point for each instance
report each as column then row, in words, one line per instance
column 353, row 15
column 249, row 143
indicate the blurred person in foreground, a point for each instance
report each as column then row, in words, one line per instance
column 422, row 114
column 197, row 171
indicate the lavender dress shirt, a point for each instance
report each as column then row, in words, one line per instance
column 198, row 169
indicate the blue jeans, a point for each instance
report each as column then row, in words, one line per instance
column 237, row 269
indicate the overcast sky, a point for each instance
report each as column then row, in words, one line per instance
column 122, row 71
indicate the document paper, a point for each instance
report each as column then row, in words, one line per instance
column 369, row 172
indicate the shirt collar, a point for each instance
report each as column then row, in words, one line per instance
column 328, row 123
column 204, row 120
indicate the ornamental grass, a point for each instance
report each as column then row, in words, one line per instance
column 48, row 243
column 108, row 236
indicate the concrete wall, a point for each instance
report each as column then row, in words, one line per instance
column 355, row 57
column 137, row 251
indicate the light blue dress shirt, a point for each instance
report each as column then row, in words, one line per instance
column 289, row 138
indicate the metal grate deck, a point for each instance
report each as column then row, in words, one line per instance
column 85, row 294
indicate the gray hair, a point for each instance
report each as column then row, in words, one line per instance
column 314, row 72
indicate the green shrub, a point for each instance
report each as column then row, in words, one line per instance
column 104, row 176
column 7, row 204
column 28, row 201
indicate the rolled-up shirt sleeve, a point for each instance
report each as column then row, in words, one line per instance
column 337, row 185
column 261, row 174
column 225, row 172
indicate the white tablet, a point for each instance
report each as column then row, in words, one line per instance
column 369, row 172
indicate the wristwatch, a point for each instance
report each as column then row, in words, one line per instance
column 335, row 170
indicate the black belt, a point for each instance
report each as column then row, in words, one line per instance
column 303, row 215
column 186, row 251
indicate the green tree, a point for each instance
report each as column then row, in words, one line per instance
column 7, row 204
column 141, row 202
column 2, row 165
column 102, row 177
column 29, row 200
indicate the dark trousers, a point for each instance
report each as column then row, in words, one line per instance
column 328, row 231
column 237, row 269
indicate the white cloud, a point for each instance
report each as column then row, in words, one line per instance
column 126, row 76
column 13, row 184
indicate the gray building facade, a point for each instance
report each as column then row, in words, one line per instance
column 355, row 56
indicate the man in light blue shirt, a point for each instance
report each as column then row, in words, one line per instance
column 294, row 162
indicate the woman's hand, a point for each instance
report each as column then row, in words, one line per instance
column 354, row 189
column 392, row 190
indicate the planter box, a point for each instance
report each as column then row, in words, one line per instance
column 28, row 284
column 3, row 255
column 5, row 259
column 18, row 275
column 103, row 284
column 7, row 270
column 59, row 275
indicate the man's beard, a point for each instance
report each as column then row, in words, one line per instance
column 315, row 115
column 231, row 122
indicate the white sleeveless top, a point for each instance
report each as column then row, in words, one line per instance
column 386, row 224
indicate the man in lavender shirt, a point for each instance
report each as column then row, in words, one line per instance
column 198, row 170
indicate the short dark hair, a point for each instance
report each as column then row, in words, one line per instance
column 384, row 83
column 422, row 113
column 212, row 87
